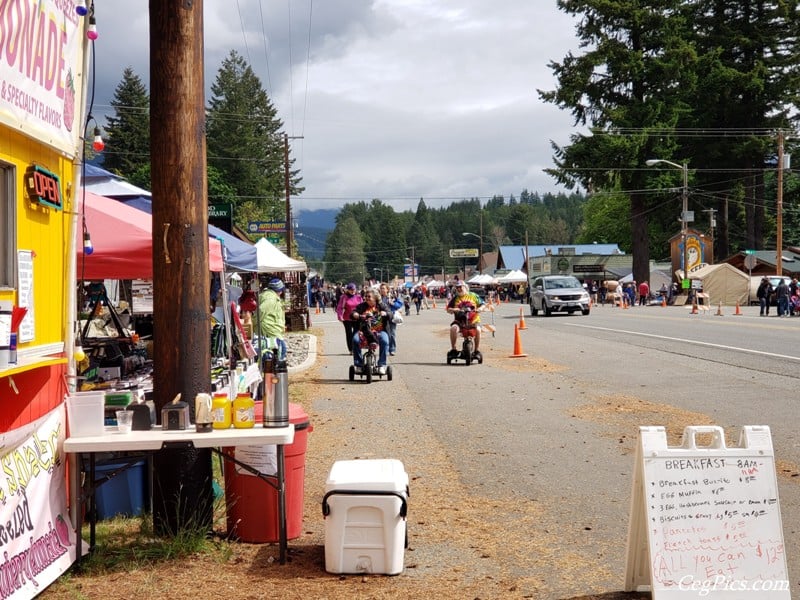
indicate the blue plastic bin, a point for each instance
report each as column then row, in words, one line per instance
column 123, row 494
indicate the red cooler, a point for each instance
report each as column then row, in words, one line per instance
column 251, row 503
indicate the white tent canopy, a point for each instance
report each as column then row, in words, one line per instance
column 483, row 279
column 515, row 276
column 434, row 283
column 271, row 260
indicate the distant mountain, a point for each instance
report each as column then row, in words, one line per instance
column 311, row 241
column 312, row 230
column 323, row 219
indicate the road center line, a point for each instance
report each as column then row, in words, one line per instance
column 695, row 342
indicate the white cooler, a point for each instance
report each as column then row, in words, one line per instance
column 365, row 508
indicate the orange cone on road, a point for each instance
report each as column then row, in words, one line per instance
column 518, row 353
column 434, row 301
column 694, row 307
column 738, row 310
column 719, row 310
column 664, row 301
column 522, row 320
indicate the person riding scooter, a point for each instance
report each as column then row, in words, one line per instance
column 371, row 316
column 464, row 304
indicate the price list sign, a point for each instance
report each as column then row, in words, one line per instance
column 706, row 519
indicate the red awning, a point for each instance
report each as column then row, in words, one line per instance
column 122, row 240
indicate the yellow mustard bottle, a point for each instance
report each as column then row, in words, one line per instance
column 244, row 411
column 221, row 411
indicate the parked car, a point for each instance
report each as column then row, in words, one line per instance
column 755, row 281
column 558, row 293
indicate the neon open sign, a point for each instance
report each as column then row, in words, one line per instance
column 43, row 187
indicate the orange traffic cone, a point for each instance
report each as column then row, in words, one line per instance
column 664, row 301
column 316, row 312
column 694, row 307
column 434, row 302
column 518, row 353
column 738, row 310
column 719, row 310
column 522, row 320
column 625, row 302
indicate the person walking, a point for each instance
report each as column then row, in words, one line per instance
column 782, row 297
column 344, row 309
column 644, row 293
column 763, row 294
column 394, row 304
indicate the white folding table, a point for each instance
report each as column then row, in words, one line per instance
column 153, row 440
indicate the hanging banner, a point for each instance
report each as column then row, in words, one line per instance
column 41, row 71
column 37, row 542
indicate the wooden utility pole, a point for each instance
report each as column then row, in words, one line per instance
column 182, row 494
column 287, row 184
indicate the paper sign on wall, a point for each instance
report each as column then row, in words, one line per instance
column 705, row 520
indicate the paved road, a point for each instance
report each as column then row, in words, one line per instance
column 559, row 427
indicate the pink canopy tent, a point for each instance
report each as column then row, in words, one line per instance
column 123, row 241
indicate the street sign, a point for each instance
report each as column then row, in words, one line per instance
column 463, row 253
column 749, row 251
column 750, row 262
column 266, row 227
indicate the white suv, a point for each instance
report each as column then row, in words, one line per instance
column 553, row 293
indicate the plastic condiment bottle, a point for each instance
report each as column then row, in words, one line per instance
column 244, row 411
column 221, row 411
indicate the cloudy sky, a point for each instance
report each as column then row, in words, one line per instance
column 394, row 99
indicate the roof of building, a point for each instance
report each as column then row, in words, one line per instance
column 513, row 257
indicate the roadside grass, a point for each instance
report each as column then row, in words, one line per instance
column 125, row 543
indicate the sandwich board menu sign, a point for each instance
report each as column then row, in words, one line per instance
column 705, row 520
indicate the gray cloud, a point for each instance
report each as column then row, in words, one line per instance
column 394, row 99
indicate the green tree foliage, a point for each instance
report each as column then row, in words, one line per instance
column 244, row 142
column 345, row 259
column 748, row 55
column 423, row 237
column 388, row 237
column 127, row 133
column 703, row 83
column 628, row 81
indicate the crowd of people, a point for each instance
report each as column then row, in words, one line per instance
column 784, row 296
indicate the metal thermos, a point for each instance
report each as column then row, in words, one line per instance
column 276, row 407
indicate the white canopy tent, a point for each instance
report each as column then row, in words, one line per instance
column 515, row 276
column 483, row 279
column 271, row 260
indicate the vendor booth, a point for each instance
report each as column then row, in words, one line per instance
column 271, row 260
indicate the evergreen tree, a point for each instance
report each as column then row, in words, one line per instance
column 244, row 144
column 127, row 134
column 423, row 237
column 630, row 81
column 345, row 259
column 750, row 59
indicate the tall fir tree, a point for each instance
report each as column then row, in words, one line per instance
column 127, row 132
column 244, row 142
column 345, row 259
column 750, row 60
column 627, row 82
